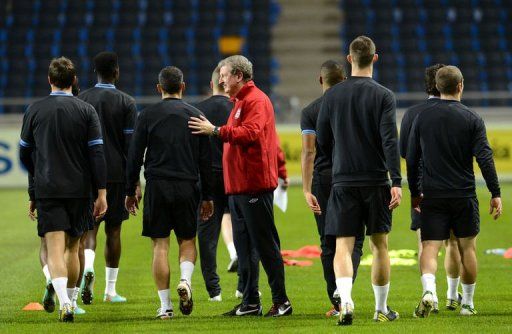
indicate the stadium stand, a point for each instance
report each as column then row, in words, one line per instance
column 412, row 34
column 146, row 34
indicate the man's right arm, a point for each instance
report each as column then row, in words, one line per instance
column 136, row 154
column 324, row 135
column 308, row 153
column 405, row 129
column 27, row 144
column 413, row 160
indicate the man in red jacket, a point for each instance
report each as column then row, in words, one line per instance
column 250, row 176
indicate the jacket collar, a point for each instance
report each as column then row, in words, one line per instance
column 244, row 90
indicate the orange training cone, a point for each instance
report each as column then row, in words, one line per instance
column 33, row 307
column 508, row 254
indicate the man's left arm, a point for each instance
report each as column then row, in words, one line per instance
column 389, row 137
column 483, row 154
column 130, row 118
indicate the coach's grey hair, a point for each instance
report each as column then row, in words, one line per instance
column 240, row 64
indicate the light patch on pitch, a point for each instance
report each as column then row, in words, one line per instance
column 398, row 257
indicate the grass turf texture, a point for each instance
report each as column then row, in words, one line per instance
column 23, row 282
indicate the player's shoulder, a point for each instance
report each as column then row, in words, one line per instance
column 84, row 106
column 86, row 93
column 385, row 91
column 125, row 96
column 465, row 110
column 192, row 110
column 418, row 108
column 313, row 107
column 38, row 104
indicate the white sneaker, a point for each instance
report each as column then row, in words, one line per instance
column 240, row 295
column 164, row 314
column 467, row 310
column 185, row 293
column 217, row 298
column 425, row 305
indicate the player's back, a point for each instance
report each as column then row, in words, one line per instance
column 62, row 127
column 362, row 119
column 408, row 119
column 172, row 150
column 117, row 113
column 447, row 132
column 216, row 109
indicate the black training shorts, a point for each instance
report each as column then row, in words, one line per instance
column 439, row 216
column 415, row 220
column 71, row 215
column 116, row 211
column 170, row 205
column 351, row 209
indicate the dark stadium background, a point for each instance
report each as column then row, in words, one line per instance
column 286, row 40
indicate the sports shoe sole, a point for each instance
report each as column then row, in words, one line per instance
column 87, row 294
column 186, row 303
column 346, row 319
column 424, row 308
column 48, row 300
column 164, row 317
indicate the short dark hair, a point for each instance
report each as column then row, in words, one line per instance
column 62, row 72
column 170, row 78
column 430, row 79
column 332, row 72
column 362, row 50
column 447, row 79
column 106, row 64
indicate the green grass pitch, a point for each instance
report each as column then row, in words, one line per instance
column 22, row 282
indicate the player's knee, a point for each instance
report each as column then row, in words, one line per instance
column 378, row 244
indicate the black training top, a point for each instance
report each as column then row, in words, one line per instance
column 409, row 117
column 117, row 113
column 216, row 109
column 446, row 137
column 61, row 128
column 405, row 128
column 172, row 151
column 308, row 120
column 357, row 127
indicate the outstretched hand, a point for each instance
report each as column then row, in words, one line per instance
column 200, row 126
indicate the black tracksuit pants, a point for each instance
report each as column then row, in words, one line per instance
column 321, row 188
column 256, row 238
column 208, row 233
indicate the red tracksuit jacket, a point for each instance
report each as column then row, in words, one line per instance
column 250, row 158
